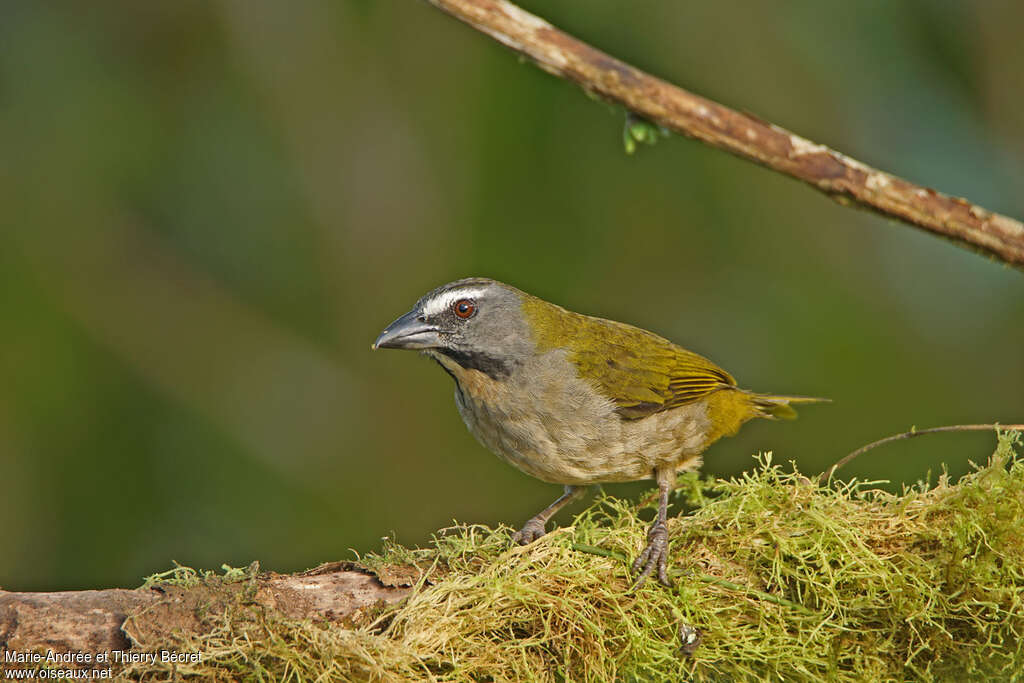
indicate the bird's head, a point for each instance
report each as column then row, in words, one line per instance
column 472, row 324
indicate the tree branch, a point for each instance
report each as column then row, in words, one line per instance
column 844, row 179
column 94, row 621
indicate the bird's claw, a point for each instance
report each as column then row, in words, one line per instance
column 655, row 555
column 530, row 532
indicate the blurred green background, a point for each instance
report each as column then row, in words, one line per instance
column 209, row 211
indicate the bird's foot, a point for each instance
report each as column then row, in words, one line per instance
column 654, row 556
column 530, row 532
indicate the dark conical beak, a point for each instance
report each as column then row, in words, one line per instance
column 410, row 331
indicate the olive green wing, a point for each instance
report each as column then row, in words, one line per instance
column 640, row 371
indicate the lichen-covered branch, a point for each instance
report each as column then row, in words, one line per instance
column 844, row 179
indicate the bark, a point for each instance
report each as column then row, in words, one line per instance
column 94, row 621
column 844, row 179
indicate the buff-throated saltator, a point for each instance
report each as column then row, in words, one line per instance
column 577, row 400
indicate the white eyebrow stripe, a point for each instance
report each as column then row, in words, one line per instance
column 446, row 299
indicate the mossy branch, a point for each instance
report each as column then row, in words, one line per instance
column 706, row 578
column 775, row 576
column 845, row 180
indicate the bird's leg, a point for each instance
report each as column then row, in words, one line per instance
column 655, row 555
column 534, row 528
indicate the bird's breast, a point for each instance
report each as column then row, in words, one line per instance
column 551, row 424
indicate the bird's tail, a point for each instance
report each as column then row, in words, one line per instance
column 780, row 407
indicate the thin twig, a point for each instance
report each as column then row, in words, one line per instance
column 594, row 550
column 824, row 476
column 767, row 597
column 651, row 497
column 844, row 179
column 827, row 474
column 705, row 578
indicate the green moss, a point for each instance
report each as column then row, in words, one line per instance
column 783, row 578
column 187, row 577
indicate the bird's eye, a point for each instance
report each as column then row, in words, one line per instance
column 464, row 308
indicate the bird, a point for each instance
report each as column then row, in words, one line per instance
column 578, row 400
